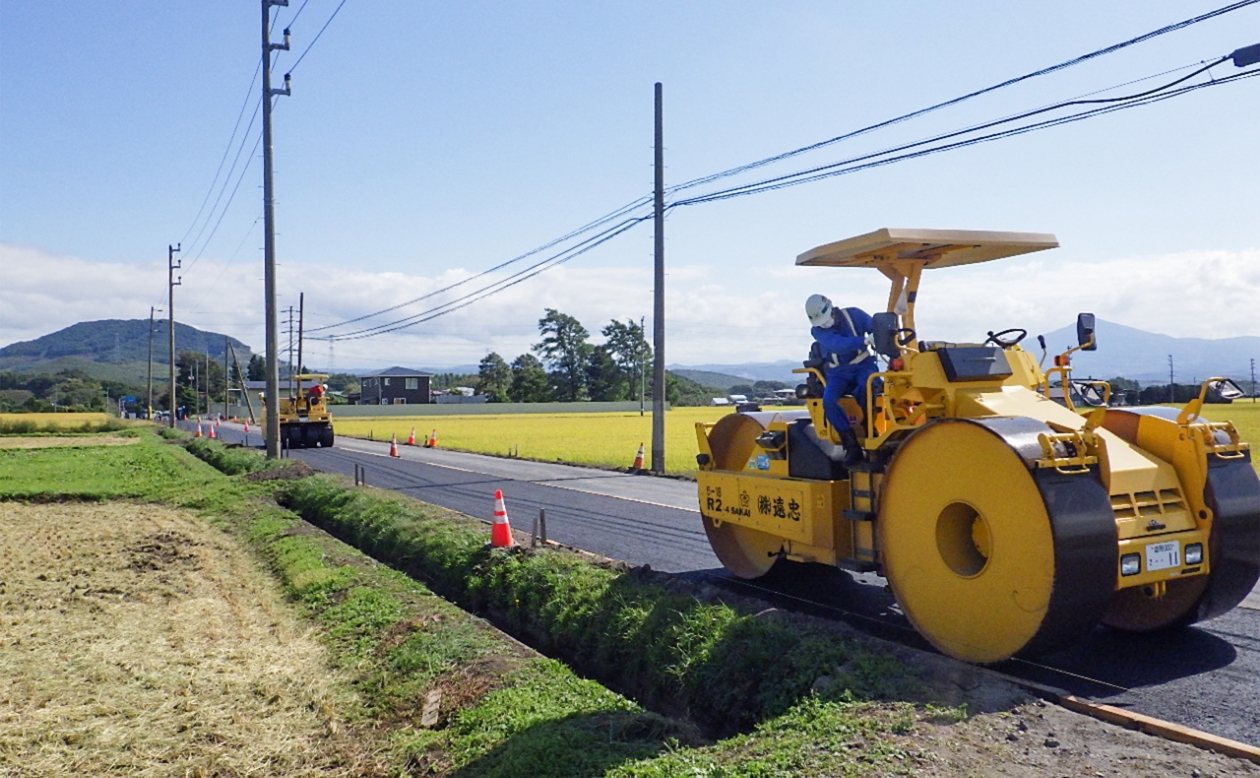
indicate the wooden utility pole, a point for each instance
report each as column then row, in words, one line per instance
column 658, row 310
column 272, row 432
column 171, row 282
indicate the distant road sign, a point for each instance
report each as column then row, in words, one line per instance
column 129, row 398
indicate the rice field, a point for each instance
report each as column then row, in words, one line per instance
column 603, row 439
column 611, row 439
column 25, row 423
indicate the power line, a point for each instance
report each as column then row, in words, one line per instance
column 849, row 165
column 309, row 46
column 622, row 211
column 495, row 287
column 226, row 205
column 227, row 150
column 955, row 101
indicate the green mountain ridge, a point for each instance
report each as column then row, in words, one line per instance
column 112, row 349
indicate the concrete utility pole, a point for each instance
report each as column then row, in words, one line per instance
column 1171, row 396
column 269, row 230
column 226, row 380
column 643, row 366
column 1253, row 379
column 658, row 309
column 152, row 310
column 171, row 282
column 301, row 318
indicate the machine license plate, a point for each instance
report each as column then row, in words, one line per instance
column 1161, row 556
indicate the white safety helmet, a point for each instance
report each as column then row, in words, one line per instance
column 819, row 310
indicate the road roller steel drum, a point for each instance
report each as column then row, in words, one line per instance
column 1009, row 506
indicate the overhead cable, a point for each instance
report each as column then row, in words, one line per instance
column 494, row 287
column 311, row 45
column 880, row 159
column 810, row 174
column 623, row 210
column 962, row 98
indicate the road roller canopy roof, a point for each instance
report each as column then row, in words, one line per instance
column 935, row 248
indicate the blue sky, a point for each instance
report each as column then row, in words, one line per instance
column 425, row 142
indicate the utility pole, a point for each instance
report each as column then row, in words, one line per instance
column 301, row 318
column 1171, row 396
column 269, row 229
column 658, row 303
column 207, row 381
column 290, row 347
column 152, row 310
column 171, row 282
column 643, row 366
column 1253, row 379
column 226, row 381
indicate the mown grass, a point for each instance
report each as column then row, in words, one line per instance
column 397, row 639
column 602, row 439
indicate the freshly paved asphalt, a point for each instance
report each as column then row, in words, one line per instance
column 1206, row 677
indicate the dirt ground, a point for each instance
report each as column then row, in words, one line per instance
column 137, row 640
column 65, row 441
column 1039, row 740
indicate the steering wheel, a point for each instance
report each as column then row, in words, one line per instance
column 903, row 336
column 1000, row 339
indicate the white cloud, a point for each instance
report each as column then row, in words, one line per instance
column 713, row 314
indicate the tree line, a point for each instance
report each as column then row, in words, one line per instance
column 566, row 367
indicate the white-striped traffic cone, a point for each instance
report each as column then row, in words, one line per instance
column 501, row 530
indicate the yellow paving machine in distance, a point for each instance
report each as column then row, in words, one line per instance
column 304, row 417
column 1005, row 523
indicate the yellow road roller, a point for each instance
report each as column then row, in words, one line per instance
column 1006, row 520
column 304, row 417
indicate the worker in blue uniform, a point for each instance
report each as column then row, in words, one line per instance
column 848, row 363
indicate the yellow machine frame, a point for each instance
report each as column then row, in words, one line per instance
column 1148, row 470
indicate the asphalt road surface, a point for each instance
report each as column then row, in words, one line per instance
column 1206, row 677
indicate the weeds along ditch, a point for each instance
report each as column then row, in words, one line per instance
column 676, row 648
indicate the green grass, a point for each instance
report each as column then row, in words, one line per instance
column 726, row 668
column 148, row 470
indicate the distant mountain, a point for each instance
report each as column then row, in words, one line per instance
column 1143, row 356
column 729, row 375
column 114, row 349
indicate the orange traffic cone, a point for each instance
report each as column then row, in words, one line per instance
column 393, row 446
column 411, row 439
column 247, row 426
column 638, row 459
column 198, row 433
column 211, row 435
column 432, row 442
column 500, row 531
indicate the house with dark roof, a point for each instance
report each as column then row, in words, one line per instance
column 394, row 386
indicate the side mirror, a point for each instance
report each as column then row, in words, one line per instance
column 1226, row 389
column 1085, row 332
column 884, row 328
